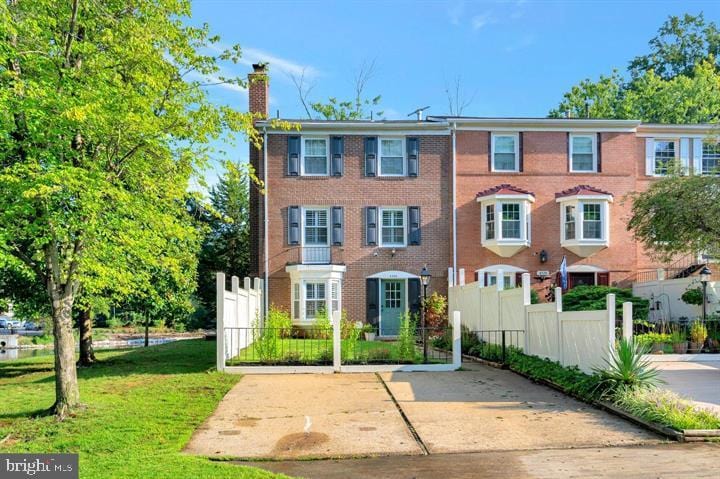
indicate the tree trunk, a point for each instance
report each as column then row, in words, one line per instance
column 67, row 393
column 87, row 353
column 147, row 330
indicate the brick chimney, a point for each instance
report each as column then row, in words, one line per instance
column 258, row 89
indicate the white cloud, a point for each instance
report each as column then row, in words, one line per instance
column 479, row 21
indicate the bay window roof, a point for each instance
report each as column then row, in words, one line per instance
column 505, row 219
column 584, row 219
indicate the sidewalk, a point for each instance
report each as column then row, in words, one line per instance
column 699, row 381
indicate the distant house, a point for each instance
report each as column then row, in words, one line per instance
column 355, row 209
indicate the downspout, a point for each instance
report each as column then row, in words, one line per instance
column 266, row 223
column 454, row 203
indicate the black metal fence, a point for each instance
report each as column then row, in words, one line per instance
column 494, row 345
column 287, row 346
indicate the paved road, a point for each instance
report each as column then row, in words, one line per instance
column 667, row 461
column 699, row 381
column 353, row 415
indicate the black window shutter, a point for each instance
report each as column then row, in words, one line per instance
column 518, row 280
column 371, row 149
column 293, row 225
column 336, row 155
column 293, row 155
column 413, row 156
column 477, row 277
column 569, row 156
column 489, row 146
column 372, row 301
column 599, row 152
column 520, row 151
column 338, row 234
column 371, row 226
column 414, row 225
column 414, row 295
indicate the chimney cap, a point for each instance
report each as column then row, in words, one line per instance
column 260, row 67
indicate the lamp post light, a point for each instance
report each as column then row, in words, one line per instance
column 425, row 279
column 705, row 274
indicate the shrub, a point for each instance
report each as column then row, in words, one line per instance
column 322, row 327
column 693, row 296
column 436, row 317
column 698, row 332
column 589, row 298
column 648, row 339
column 349, row 338
column 664, row 407
column 678, row 336
column 379, row 355
column 534, row 296
column 406, row 337
column 279, row 319
column 627, row 367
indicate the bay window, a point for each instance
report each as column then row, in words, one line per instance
column 585, row 224
column 505, row 220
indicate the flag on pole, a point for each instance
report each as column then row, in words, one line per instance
column 563, row 273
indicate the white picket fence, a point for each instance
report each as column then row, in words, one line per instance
column 237, row 308
column 573, row 338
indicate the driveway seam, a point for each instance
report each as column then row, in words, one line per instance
column 408, row 424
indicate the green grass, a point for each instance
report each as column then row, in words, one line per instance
column 142, row 406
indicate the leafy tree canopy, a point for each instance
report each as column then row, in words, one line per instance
column 589, row 298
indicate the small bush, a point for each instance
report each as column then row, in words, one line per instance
column 279, row 320
column 648, row 339
column 698, row 332
column 628, row 368
column 379, row 355
column 664, row 407
column 406, row 337
column 693, row 296
column 322, row 327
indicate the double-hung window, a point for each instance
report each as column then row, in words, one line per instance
column 666, row 155
column 592, row 221
column 490, row 222
column 315, row 156
column 569, row 222
column 392, row 227
column 505, row 152
column 511, row 221
column 316, row 227
column 315, row 299
column 392, row 157
column 710, row 157
column 583, row 156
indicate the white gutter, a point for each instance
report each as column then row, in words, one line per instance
column 266, row 293
column 454, row 204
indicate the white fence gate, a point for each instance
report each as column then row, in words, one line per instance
column 572, row 338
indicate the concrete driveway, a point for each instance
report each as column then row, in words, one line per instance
column 355, row 415
column 699, row 381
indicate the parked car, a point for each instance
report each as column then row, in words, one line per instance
column 30, row 326
column 4, row 323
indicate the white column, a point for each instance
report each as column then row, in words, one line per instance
column 461, row 279
column 558, row 310
column 660, row 274
column 451, row 277
column 558, row 300
column 457, row 344
column 250, row 314
column 627, row 321
column 336, row 341
column 500, row 275
column 234, row 284
column 219, row 329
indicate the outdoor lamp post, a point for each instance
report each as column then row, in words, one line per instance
column 705, row 274
column 425, row 279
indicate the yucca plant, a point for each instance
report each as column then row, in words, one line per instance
column 627, row 368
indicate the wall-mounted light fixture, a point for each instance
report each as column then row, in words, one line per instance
column 543, row 256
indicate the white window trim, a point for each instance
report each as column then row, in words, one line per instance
column 380, row 154
column 701, row 155
column 304, row 210
column 493, row 137
column 380, row 228
column 302, row 155
column 579, row 203
column 654, row 157
column 304, row 298
column 593, row 138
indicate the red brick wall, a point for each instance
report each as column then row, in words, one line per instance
column 430, row 190
column 545, row 172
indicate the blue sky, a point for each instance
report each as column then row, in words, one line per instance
column 514, row 58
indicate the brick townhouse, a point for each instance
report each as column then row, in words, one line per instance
column 353, row 210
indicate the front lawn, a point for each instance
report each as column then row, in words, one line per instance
column 142, row 406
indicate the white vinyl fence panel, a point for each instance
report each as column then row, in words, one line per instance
column 573, row 338
column 237, row 312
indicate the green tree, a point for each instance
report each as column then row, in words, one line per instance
column 104, row 117
column 591, row 298
column 677, row 82
column 226, row 246
column 678, row 215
